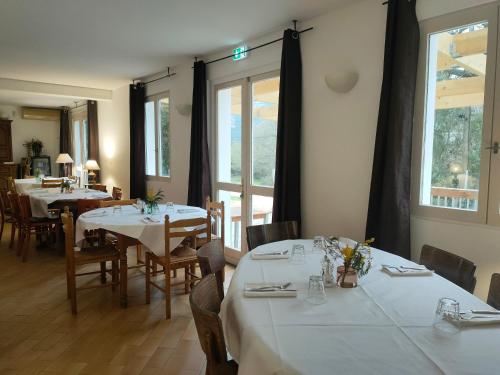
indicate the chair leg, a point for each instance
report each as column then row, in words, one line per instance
column 175, row 273
column 72, row 288
column 148, row 277
column 25, row 247
column 139, row 253
column 12, row 235
column 168, row 313
column 192, row 277
column 114, row 274
column 103, row 272
column 186, row 278
column 68, row 282
column 1, row 226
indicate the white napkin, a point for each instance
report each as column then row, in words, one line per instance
column 477, row 320
column 149, row 220
column 273, row 255
column 402, row 271
column 251, row 290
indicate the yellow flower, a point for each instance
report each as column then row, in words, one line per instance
column 347, row 252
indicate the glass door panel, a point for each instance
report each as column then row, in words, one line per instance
column 262, row 209
column 232, row 219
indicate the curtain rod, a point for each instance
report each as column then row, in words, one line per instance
column 256, row 47
column 168, row 75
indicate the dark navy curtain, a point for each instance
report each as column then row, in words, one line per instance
column 137, row 142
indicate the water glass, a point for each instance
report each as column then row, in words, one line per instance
column 117, row 209
column 316, row 292
column 318, row 244
column 298, row 254
column 170, row 206
column 447, row 310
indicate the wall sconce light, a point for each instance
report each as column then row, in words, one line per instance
column 342, row 82
column 184, row 109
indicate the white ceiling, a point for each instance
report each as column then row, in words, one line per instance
column 106, row 43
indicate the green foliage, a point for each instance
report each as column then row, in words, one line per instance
column 164, row 137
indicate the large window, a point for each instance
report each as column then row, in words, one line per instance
column 80, row 133
column 246, row 115
column 454, row 113
column 157, row 128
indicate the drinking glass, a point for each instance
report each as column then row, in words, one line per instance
column 117, row 209
column 170, row 206
column 298, row 254
column 316, row 293
column 447, row 310
column 318, row 244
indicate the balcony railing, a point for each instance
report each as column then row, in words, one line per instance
column 464, row 199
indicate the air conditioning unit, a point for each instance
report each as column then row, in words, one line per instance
column 44, row 114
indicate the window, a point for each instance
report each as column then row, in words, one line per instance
column 454, row 117
column 157, row 128
column 246, row 116
column 80, row 131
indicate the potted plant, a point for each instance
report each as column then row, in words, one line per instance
column 33, row 147
column 152, row 201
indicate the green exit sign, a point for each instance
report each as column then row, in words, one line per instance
column 239, row 53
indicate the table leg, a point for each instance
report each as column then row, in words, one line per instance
column 122, row 247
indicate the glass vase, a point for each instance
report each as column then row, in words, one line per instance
column 347, row 279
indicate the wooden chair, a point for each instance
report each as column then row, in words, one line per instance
column 205, row 306
column 117, row 193
column 456, row 269
column 216, row 210
column 211, row 260
column 99, row 187
column 86, row 205
column 5, row 211
column 182, row 257
column 261, row 234
column 11, row 185
column 111, row 203
column 16, row 221
column 76, row 257
column 494, row 292
column 32, row 225
column 52, row 183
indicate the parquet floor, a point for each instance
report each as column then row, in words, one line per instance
column 39, row 335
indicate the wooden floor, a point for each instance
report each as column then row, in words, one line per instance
column 39, row 335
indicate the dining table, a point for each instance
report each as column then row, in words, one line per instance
column 132, row 226
column 42, row 199
column 385, row 325
column 23, row 185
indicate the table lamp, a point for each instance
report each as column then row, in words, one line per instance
column 64, row 159
column 91, row 166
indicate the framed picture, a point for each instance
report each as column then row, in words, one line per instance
column 42, row 163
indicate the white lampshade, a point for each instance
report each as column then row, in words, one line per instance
column 63, row 159
column 91, row 165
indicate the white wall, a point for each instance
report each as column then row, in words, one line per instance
column 24, row 130
column 114, row 140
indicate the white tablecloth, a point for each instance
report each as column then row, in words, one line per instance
column 25, row 184
column 130, row 223
column 384, row 326
column 41, row 198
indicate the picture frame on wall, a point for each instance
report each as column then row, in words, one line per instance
column 42, row 163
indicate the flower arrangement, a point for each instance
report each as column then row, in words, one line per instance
column 357, row 260
column 65, row 186
column 152, row 200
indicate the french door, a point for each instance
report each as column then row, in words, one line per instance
column 246, row 115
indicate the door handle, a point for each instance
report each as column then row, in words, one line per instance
column 495, row 147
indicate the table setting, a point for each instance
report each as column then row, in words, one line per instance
column 286, row 312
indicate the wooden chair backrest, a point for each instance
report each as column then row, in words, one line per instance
column 99, row 187
column 453, row 267
column 177, row 229
column 69, row 235
column 261, row 234
column 52, row 183
column 28, row 176
column 75, row 179
column 24, row 208
column 127, row 202
column 85, row 205
column 11, row 185
column 205, row 306
column 117, row 193
column 212, row 261
column 14, row 204
column 4, row 201
column 494, row 292
column 216, row 210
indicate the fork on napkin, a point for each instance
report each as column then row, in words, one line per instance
column 406, row 270
column 150, row 220
column 272, row 255
column 95, row 214
column 276, row 289
column 186, row 210
column 477, row 318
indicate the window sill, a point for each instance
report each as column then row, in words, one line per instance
column 159, row 178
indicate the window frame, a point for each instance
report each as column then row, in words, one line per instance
column 156, row 98
column 487, row 13
column 79, row 114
